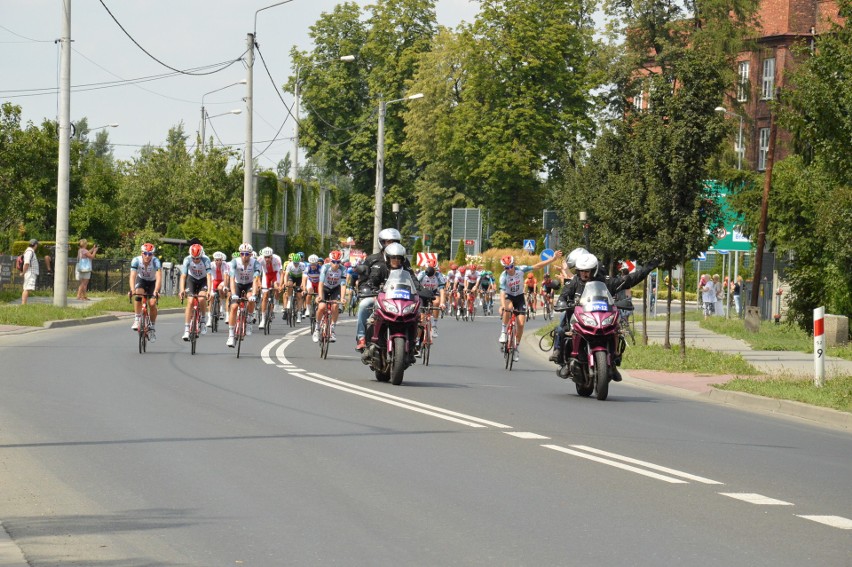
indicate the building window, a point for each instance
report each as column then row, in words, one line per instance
column 767, row 91
column 743, row 84
column 763, row 149
column 638, row 100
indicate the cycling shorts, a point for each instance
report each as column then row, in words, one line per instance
column 530, row 289
column 310, row 287
column 470, row 286
column 294, row 278
column 330, row 294
column 194, row 286
column 146, row 285
column 217, row 283
column 244, row 289
column 518, row 302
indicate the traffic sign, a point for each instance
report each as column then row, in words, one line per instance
column 547, row 254
column 701, row 257
column 469, row 242
column 529, row 245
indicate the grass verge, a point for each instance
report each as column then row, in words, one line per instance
column 835, row 394
column 699, row 361
column 37, row 314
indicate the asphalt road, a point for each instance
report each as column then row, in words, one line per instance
column 112, row 458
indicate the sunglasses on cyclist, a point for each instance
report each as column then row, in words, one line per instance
column 147, row 253
column 245, row 253
column 336, row 262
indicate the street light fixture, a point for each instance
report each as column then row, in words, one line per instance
column 380, row 166
column 113, row 125
column 204, row 115
column 395, row 209
column 584, row 218
column 740, row 148
column 296, row 104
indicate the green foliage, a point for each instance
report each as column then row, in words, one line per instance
column 835, row 394
column 657, row 357
column 461, row 256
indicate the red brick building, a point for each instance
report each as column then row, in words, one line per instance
column 783, row 24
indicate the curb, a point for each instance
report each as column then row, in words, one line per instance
column 65, row 323
column 10, row 554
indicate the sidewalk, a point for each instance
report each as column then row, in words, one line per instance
column 701, row 385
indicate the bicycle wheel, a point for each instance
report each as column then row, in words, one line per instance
column 325, row 335
column 240, row 331
column 471, row 310
column 545, row 343
column 512, row 341
column 143, row 334
column 193, row 328
column 313, row 317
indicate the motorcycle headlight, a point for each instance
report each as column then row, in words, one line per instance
column 390, row 307
column 409, row 309
column 608, row 321
column 588, row 320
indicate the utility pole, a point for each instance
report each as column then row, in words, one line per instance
column 248, row 177
column 380, row 175
column 60, row 259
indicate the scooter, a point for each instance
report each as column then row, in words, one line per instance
column 392, row 328
column 595, row 342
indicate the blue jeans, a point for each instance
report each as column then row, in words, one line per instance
column 365, row 308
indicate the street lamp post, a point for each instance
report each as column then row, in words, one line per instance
column 296, row 104
column 204, row 115
column 208, row 117
column 395, row 209
column 584, row 218
column 740, row 148
column 380, row 166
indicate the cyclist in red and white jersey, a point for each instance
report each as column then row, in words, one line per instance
column 512, row 293
column 146, row 279
column 219, row 274
column 433, row 280
column 270, row 279
column 332, row 276
column 244, row 279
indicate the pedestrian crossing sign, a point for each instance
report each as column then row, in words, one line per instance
column 529, row 245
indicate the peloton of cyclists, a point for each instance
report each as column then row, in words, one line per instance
column 146, row 279
column 195, row 279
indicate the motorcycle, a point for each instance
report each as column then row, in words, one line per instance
column 594, row 342
column 392, row 328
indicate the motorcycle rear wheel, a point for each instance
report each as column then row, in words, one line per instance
column 397, row 361
column 601, row 375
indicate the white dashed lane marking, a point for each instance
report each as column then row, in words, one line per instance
column 833, row 521
column 758, row 499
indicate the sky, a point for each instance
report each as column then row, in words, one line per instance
column 183, row 34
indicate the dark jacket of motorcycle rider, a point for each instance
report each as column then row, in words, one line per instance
column 587, row 269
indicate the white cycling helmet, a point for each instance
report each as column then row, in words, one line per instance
column 266, row 252
column 218, row 255
column 587, row 262
column 571, row 261
column 313, row 259
column 387, row 235
column 246, row 247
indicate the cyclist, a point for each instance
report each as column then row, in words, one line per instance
column 351, row 278
column 586, row 266
column 245, row 280
column 433, row 280
column 331, row 278
column 531, row 284
column 146, row 278
column 270, row 279
column 549, row 286
column 471, row 282
column 219, row 272
column 311, row 281
column 292, row 279
column 512, row 293
column 486, row 290
column 195, row 279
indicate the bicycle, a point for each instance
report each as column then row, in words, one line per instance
column 471, row 305
column 144, row 323
column 547, row 300
column 269, row 312
column 511, row 344
column 194, row 321
column 312, row 310
column 325, row 326
column 546, row 341
column 426, row 334
column 530, row 300
column 625, row 323
column 215, row 312
column 353, row 302
column 461, row 308
column 240, row 323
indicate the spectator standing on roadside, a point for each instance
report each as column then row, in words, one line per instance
column 30, row 270
column 719, row 289
column 708, row 295
column 83, row 270
column 738, row 289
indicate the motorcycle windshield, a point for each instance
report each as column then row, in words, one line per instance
column 400, row 285
column 596, row 297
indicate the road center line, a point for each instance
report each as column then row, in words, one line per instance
column 758, row 499
column 833, row 521
column 616, row 464
column 648, row 465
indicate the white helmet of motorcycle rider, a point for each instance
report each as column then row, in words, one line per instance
column 394, row 255
column 388, row 235
column 586, row 266
column 571, row 261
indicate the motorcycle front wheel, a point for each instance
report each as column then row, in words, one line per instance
column 397, row 361
column 601, row 375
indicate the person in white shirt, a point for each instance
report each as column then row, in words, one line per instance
column 30, row 270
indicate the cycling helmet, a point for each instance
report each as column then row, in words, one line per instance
column 347, row 264
column 196, row 250
column 430, row 270
column 335, row 255
column 389, row 235
column 507, row 261
column 218, row 255
column 295, row 258
column 587, row 263
column 235, row 255
column 454, row 266
column 462, row 270
column 395, row 250
column 432, row 263
column 246, row 247
column 313, row 259
column 301, row 256
column 571, row 261
column 147, row 247
column 266, row 252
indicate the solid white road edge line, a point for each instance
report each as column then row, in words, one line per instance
column 646, row 464
column 616, row 464
column 833, row 521
column 753, row 498
column 264, row 354
column 385, row 400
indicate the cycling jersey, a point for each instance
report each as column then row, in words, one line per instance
column 270, row 268
column 145, row 272
column 196, row 270
column 219, row 272
column 471, row 276
column 313, row 273
column 295, row 270
column 530, row 283
column 485, row 282
column 432, row 283
column 330, row 277
column 550, row 287
column 244, row 274
column 513, row 285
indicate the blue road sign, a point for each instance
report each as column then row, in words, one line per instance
column 701, row 257
column 547, row 254
column 529, row 245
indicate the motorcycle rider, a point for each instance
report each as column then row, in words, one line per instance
column 587, row 269
column 364, row 270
